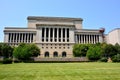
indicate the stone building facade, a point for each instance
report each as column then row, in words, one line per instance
column 55, row 36
column 113, row 36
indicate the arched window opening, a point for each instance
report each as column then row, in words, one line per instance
column 55, row 54
column 46, row 54
column 64, row 54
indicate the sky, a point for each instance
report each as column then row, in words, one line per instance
column 96, row 14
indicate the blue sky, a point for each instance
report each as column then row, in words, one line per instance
column 95, row 13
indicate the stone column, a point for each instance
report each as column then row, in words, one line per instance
column 84, row 39
column 6, row 37
column 57, row 34
column 87, row 39
column 34, row 37
column 30, row 37
column 10, row 37
column 25, row 37
column 53, row 34
column 98, row 38
column 79, row 38
column 76, row 41
column 94, row 39
column 16, row 37
column 49, row 34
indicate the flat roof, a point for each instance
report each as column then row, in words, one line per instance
column 113, row 30
column 42, row 18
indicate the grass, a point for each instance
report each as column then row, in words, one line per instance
column 60, row 71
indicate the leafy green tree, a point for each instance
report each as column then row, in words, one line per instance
column 117, row 46
column 108, row 50
column 116, row 58
column 94, row 53
column 34, row 50
column 25, row 51
column 76, row 50
column 83, row 49
column 5, row 50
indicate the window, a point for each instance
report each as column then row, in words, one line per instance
column 46, row 54
column 55, row 54
column 64, row 54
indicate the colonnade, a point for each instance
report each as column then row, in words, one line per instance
column 55, row 35
column 87, row 38
column 20, row 37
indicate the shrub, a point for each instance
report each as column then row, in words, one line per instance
column 116, row 58
column 80, row 50
column 104, row 59
column 26, row 51
column 7, row 61
column 94, row 53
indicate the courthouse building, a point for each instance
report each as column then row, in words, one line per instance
column 55, row 36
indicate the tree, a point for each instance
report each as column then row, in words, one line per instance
column 25, row 51
column 117, row 46
column 94, row 53
column 108, row 50
column 5, row 50
column 116, row 58
column 34, row 50
column 76, row 50
column 83, row 49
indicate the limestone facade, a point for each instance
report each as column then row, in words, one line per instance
column 55, row 36
column 113, row 36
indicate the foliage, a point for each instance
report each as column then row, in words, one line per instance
column 108, row 50
column 117, row 46
column 7, row 61
column 33, row 50
column 5, row 50
column 104, row 59
column 116, row 58
column 25, row 51
column 76, row 50
column 80, row 50
column 94, row 53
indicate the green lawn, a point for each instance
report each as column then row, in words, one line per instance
column 60, row 71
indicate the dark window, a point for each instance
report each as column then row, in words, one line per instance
column 64, row 54
column 46, row 54
column 51, row 32
column 55, row 54
column 67, row 32
column 59, row 33
column 43, row 32
column 55, row 33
